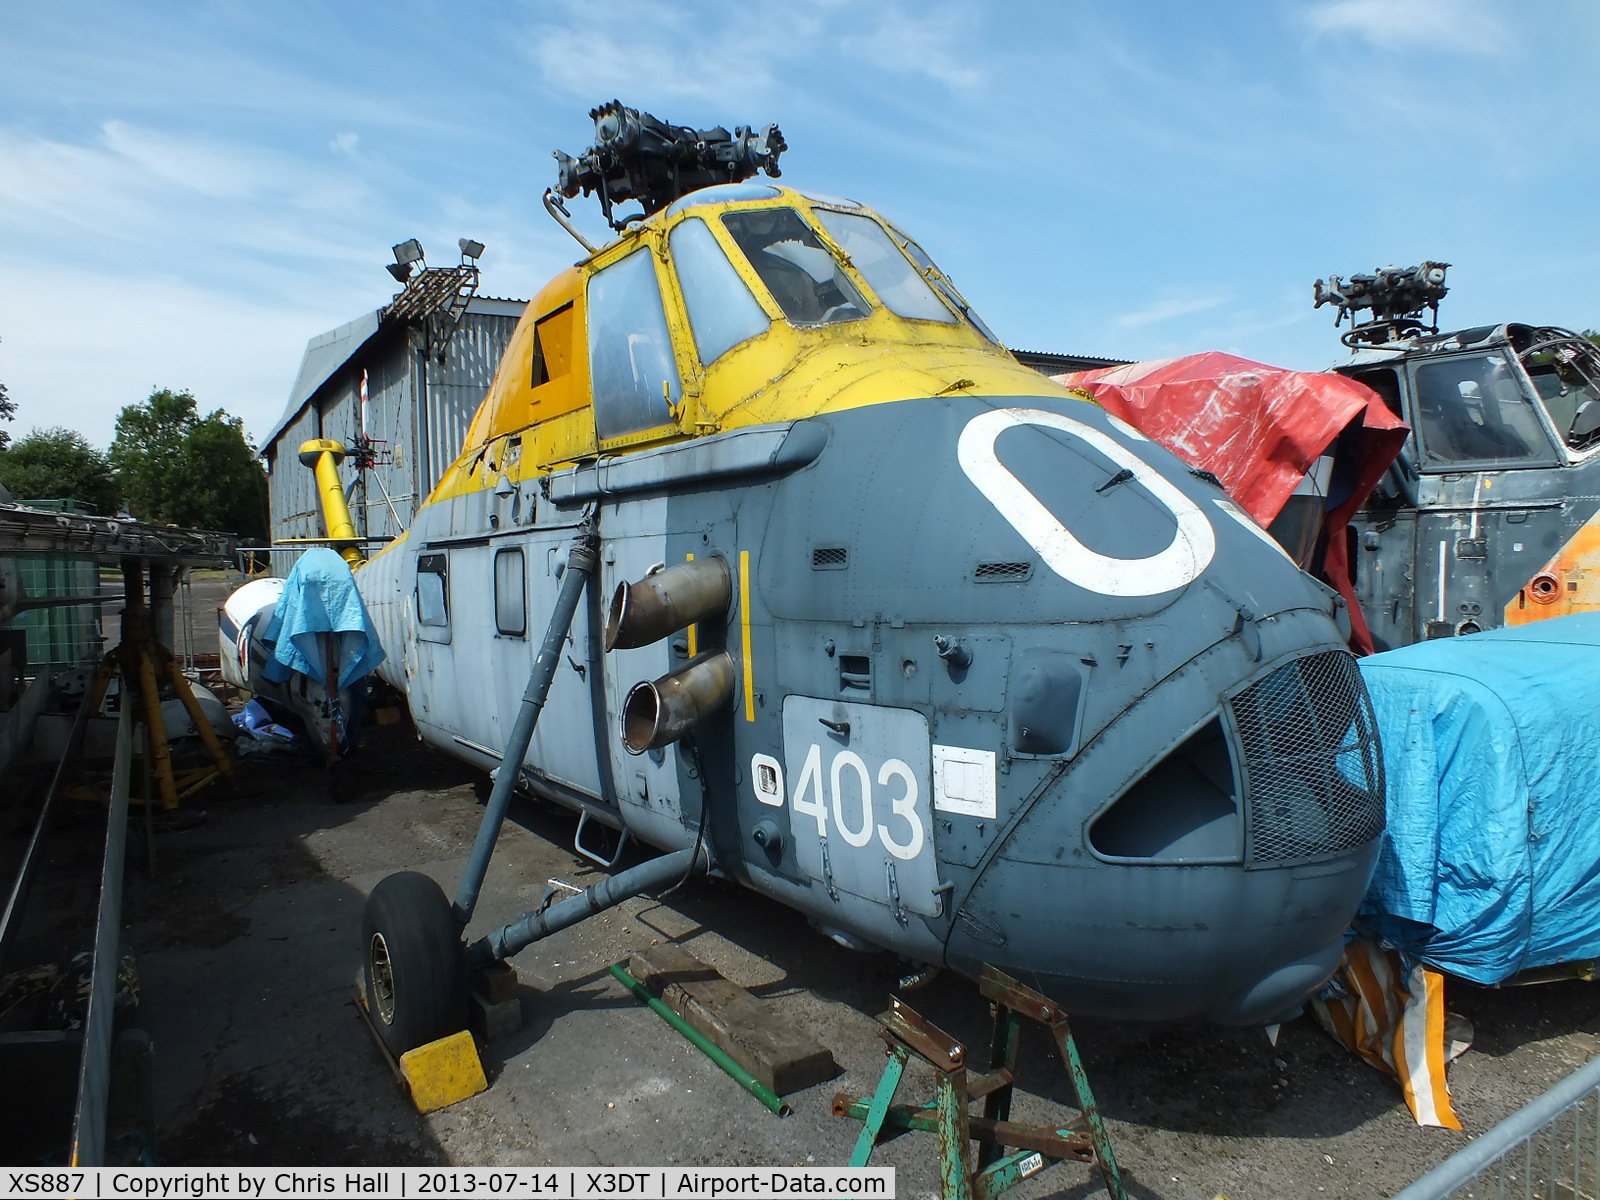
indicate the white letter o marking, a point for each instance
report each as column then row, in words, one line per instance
column 1188, row 554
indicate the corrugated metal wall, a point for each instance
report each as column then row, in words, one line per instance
column 421, row 450
column 293, row 489
column 456, row 387
column 391, row 408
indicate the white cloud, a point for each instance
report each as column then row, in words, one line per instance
column 1172, row 306
column 1458, row 26
column 592, row 54
column 344, row 143
column 81, row 344
column 743, row 53
column 153, row 196
column 943, row 44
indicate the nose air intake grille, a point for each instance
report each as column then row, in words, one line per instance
column 1313, row 769
column 825, row 558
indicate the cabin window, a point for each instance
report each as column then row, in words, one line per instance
column 510, row 592
column 1472, row 408
column 552, row 345
column 722, row 310
column 1386, row 382
column 810, row 286
column 723, row 193
column 631, row 366
column 887, row 271
column 433, row 592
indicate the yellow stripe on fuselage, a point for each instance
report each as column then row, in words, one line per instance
column 744, row 636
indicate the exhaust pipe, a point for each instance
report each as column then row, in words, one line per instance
column 658, row 714
column 666, row 601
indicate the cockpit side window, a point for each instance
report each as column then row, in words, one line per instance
column 722, row 312
column 1566, row 374
column 1474, row 409
column 809, row 285
column 552, row 345
column 631, row 367
column 931, row 271
column 887, row 271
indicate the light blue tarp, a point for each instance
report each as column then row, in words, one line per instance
column 1491, row 743
column 320, row 597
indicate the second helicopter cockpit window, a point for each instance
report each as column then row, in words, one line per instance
column 806, row 281
column 1474, row 409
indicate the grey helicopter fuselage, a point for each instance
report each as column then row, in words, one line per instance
column 1002, row 681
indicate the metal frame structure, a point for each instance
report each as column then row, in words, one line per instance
column 1032, row 1147
column 152, row 559
column 1550, row 1147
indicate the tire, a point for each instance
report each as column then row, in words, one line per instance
column 415, row 967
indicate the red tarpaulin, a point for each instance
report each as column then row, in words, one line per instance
column 1259, row 429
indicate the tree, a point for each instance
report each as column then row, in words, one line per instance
column 8, row 410
column 59, row 464
column 178, row 467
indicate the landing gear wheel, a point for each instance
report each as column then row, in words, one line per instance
column 415, row 966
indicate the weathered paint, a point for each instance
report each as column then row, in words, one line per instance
column 1568, row 583
column 891, row 604
column 1442, row 549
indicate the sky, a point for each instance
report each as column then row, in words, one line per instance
column 191, row 191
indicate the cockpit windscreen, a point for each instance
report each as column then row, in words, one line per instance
column 1474, row 408
column 887, row 271
column 809, row 285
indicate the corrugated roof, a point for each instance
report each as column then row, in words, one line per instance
column 328, row 352
column 325, row 354
column 1050, row 363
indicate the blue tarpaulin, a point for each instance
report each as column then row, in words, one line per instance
column 320, row 597
column 1491, row 860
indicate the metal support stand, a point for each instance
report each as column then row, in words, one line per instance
column 143, row 663
column 1031, row 1147
column 146, row 663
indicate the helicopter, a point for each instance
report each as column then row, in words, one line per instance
column 1490, row 515
column 763, row 551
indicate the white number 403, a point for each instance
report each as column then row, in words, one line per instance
column 808, row 801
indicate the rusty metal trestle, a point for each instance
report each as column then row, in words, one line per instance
column 1007, row 1152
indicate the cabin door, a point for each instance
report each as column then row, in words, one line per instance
column 564, row 740
column 454, row 623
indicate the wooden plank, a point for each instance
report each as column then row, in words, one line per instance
column 741, row 1024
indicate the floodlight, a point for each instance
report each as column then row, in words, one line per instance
column 470, row 248
column 408, row 252
column 401, row 271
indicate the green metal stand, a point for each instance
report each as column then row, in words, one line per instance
column 1007, row 1152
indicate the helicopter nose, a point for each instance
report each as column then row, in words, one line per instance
column 1219, row 879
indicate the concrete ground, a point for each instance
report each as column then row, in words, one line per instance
column 248, row 942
